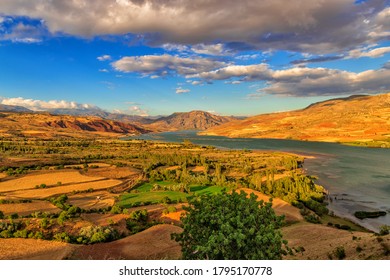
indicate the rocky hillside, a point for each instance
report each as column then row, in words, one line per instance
column 197, row 120
column 356, row 118
column 44, row 124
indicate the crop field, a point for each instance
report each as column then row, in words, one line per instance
column 127, row 197
column 98, row 199
column 24, row 209
column 67, row 189
column 145, row 195
column 49, row 178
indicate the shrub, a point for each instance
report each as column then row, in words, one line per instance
column 139, row 215
column 339, row 253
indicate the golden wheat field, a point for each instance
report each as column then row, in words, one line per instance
column 50, row 178
column 45, row 193
column 23, row 209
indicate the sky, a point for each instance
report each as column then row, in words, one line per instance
column 149, row 57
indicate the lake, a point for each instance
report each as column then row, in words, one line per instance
column 358, row 177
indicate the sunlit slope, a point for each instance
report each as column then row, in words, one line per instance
column 356, row 118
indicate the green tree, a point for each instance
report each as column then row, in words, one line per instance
column 230, row 226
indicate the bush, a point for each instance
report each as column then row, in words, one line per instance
column 340, row 253
column 139, row 216
column 116, row 209
column 1, row 215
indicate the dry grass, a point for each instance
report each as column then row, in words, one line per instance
column 114, row 172
column 24, row 209
column 281, row 207
column 103, row 219
column 153, row 243
column 90, row 200
column 320, row 242
column 32, row 249
column 49, row 178
column 45, row 193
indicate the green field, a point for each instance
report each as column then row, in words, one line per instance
column 146, row 196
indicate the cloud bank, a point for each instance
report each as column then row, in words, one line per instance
column 315, row 26
column 40, row 105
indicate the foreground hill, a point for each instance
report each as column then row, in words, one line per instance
column 198, row 120
column 356, row 118
column 35, row 124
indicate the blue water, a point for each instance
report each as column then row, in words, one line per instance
column 359, row 177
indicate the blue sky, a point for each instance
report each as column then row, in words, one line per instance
column 226, row 57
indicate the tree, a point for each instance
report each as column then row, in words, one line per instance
column 230, row 226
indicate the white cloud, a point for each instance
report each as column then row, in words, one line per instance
column 103, row 70
column 304, row 81
column 165, row 64
column 213, row 49
column 104, row 57
column 40, row 105
column 136, row 110
column 313, row 26
column 250, row 72
column 247, row 56
column 373, row 53
column 23, row 33
column 181, row 90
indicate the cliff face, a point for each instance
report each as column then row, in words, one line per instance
column 360, row 118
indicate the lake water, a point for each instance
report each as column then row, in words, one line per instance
column 359, row 177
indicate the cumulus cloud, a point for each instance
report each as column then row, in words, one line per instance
column 162, row 65
column 136, row 110
column 213, row 49
column 104, row 57
column 181, row 90
column 373, row 53
column 315, row 26
column 247, row 72
column 40, row 105
column 304, row 81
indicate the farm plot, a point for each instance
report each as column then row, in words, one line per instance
column 114, row 172
column 45, row 193
column 24, row 209
column 145, row 195
column 48, row 178
column 95, row 200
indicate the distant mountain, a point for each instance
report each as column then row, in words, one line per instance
column 197, row 120
column 45, row 124
column 362, row 118
column 12, row 108
column 102, row 114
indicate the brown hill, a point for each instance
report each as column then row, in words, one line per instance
column 197, row 120
column 356, row 118
column 44, row 124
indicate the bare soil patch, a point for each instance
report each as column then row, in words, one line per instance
column 113, row 172
column 153, row 243
column 100, row 199
column 32, row 249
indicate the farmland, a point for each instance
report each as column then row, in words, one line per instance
column 113, row 194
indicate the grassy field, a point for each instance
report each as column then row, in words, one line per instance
column 145, row 194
